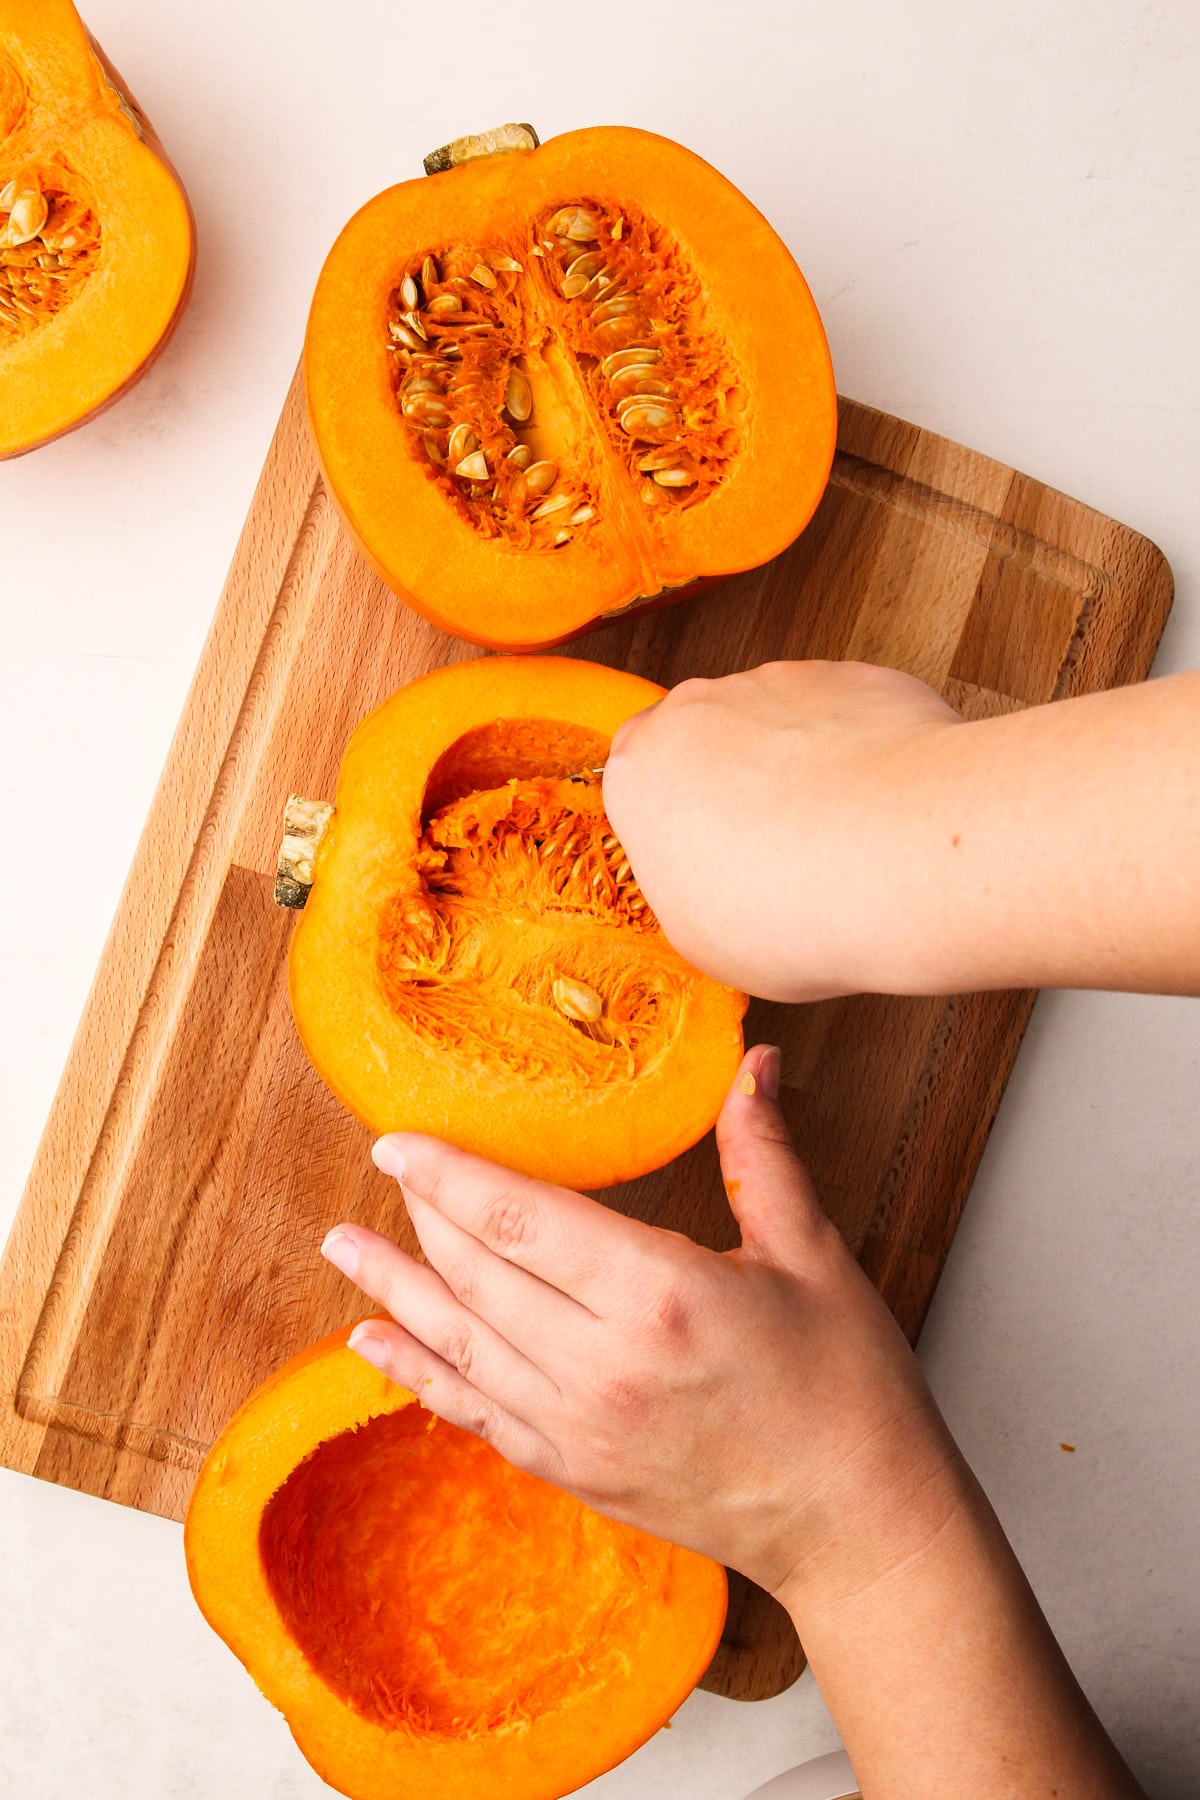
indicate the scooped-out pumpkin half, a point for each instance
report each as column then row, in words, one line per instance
column 549, row 383
column 431, row 1621
column 475, row 958
column 97, row 244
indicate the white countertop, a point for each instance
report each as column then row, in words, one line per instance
column 998, row 210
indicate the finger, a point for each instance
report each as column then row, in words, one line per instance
column 405, row 1360
column 769, row 1189
column 538, row 1320
column 573, row 1243
column 419, row 1299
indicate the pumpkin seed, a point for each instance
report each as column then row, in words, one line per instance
column 429, row 273
column 616, row 308
column 561, row 537
column 554, row 504
column 582, row 514
column 433, row 448
column 483, row 276
column 674, row 478
column 520, row 456
column 641, row 420
column 540, row 477
column 443, row 304
column 664, row 456
column 410, row 294
column 404, row 336
column 462, row 442
column 621, row 359
column 413, row 321
column 518, row 396
column 473, row 467
column 8, row 194
column 629, row 379
column 574, row 223
column 509, row 266
column 28, row 213
column 576, row 1000
column 426, row 409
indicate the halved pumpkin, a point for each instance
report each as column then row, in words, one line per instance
column 96, row 236
column 432, row 1622
column 550, row 383
column 475, row 958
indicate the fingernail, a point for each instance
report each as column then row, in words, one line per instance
column 341, row 1250
column 372, row 1349
column 770, row 1064
column 388, row 1156
column 746, row 1083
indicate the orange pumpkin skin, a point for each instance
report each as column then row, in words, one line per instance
column 741, row 377
column 431, row 1621
column 464, row 890
column 119, row 236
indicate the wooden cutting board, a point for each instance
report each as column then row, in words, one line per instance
column 164, row 1259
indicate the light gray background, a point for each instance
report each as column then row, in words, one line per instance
column 997, row 210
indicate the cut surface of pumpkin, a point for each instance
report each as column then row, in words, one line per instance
column 96, row 236
column 550, row 383
column 475, row 958
column 431, row 1620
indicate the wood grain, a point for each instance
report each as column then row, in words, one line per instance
column 164, row 1258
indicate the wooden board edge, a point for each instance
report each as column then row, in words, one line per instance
column 140, row 926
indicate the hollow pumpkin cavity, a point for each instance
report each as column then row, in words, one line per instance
column 435, row 1588
column 521, row 365
column 528, row 942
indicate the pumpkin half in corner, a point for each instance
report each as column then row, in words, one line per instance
column 97, row 244
column 433, row 1623
column 474, row 958
column 551, row 382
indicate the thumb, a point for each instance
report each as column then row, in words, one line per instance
column 769, row 1190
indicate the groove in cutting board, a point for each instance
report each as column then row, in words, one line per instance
column 164, row 1259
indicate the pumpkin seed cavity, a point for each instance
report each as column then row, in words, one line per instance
column 528, row 941
column 49, row 246
column 498, row 359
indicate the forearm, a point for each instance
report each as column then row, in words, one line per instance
column 1058, row 847
column 942, row 1673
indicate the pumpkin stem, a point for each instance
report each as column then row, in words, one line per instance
column 304, row 825
column 500, row 141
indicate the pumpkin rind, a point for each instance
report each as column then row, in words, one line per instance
column 72, row 123
column 755, row 303
column 584, row 1124
column 674, row 1601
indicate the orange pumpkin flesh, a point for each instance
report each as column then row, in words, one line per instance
column 475, row 959
column 430, row 1620
column 547, row 385
column 96, row 236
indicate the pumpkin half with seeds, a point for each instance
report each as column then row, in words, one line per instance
column 548, row 383
column 475, row 958
column 432, row 1622
column 96, row 236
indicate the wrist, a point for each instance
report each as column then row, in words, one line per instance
column 878, row 1517
column 901, row 860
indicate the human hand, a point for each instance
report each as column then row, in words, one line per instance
column 760, row 1406
column 785, row 796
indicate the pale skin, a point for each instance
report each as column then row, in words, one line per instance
column 762, row 1405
